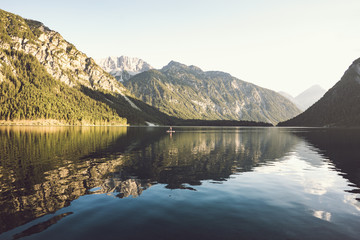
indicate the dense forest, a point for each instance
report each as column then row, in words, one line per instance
column 33, row 94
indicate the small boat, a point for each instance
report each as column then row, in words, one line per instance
column 170, row 130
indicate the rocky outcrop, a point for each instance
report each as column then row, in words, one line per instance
column 61, row 59
column 123, row 68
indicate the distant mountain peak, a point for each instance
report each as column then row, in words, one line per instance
column 174, row 65
column 307, row 98
column 337, row 107
column 315, row 87
column 123, row 67
column 124, row 63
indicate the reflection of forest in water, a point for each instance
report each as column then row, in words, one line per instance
column 192, row 156
column 43, row 169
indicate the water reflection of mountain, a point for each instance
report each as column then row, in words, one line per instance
column 189, row 157
column 340, row 146
column 43, row 169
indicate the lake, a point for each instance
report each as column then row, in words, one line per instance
column 197, row 183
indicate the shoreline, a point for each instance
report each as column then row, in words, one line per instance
column 49, row 122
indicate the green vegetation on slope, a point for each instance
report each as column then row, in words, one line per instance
column 31, row 93
column 30, row 86
column 123, row 108
column 12, row 25
column 187, row 92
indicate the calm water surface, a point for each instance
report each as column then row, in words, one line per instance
column 198, row 183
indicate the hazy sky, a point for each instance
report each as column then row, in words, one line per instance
column 284, row 45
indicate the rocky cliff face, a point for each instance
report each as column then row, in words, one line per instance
column 188, row 92
column 42, row 76
column 123, row 68
column 60, row 58
column 338, row 107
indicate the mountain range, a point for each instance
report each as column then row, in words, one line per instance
column 187, row 92
column 44, row 77
column 339, row 107
column 307, row 98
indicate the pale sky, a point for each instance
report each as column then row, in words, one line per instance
column 283, row 45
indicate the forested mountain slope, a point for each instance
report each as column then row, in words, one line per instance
column 42, row 76
column 188, row 92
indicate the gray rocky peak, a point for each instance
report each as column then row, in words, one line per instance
column 123, row 67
